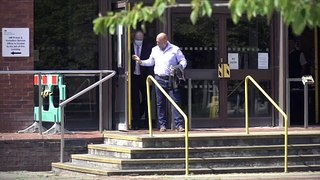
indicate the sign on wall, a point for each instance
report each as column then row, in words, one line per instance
column 15, row 42
column 233, row 60
column 263, row 61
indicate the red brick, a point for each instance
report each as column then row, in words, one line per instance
column 38, row 153
column 16, row 92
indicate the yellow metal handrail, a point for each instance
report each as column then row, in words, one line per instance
column 277, row 107
column 316, row 73
column 179, row 110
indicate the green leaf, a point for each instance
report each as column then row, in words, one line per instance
column 112, row 29
column 235, row 18
column 135, row 20
column 239, row 7
column 299, row 24
column 194, row 16
column 99, row 25
column 296, row 13
column 283, row 3
column 143, row 27
column 161, row 8
column 145, row 14
column 208, row 8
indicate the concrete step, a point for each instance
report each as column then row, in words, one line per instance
column 72, row 167
column 200, row 152
column 179, row 163
column 208, row 140
column 127, row 153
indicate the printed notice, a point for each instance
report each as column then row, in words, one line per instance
column 233, row 60
column 15, row 42
column 263, row 61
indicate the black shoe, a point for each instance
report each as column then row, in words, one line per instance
column 144, row 125
column 134, row 127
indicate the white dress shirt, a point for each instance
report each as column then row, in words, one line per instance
column 163, row 59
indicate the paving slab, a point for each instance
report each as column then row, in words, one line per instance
column 50, row 175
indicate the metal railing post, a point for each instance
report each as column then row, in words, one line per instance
column 316, row 73
column 186, row 122
column 149, row 107
column 190, row 101
column 288, row 95
column 277, row 107
column 246, row 104
column 40, row 103
column 288, row 100
column 306, row 106
column 62, row 135
column 100, row 104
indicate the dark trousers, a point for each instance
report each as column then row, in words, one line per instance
column 139, row 101
column 162, row 102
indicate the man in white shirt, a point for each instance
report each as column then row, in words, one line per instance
column 163, row 57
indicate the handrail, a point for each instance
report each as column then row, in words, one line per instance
column 22, row 72
column 179, row 110
column 277, row 107
column 65, row 72
column 87, row 89
column 62, row 104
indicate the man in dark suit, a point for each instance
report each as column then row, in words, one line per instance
column 139, row 74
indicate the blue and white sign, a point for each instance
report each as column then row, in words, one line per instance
column 15, row 42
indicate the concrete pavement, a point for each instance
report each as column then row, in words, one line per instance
column 50, row 175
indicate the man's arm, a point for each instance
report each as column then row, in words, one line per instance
column 181, row 59
column 147, row 62
column 136, row 58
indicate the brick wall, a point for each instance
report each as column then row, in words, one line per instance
column 38, row 154
column 16, row 91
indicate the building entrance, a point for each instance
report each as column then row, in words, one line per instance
column 301, row 61
column 246, row 47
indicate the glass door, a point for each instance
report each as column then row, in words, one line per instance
column 248, row 52
column 200, row 44
column 219, row 102
column 120, row 80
